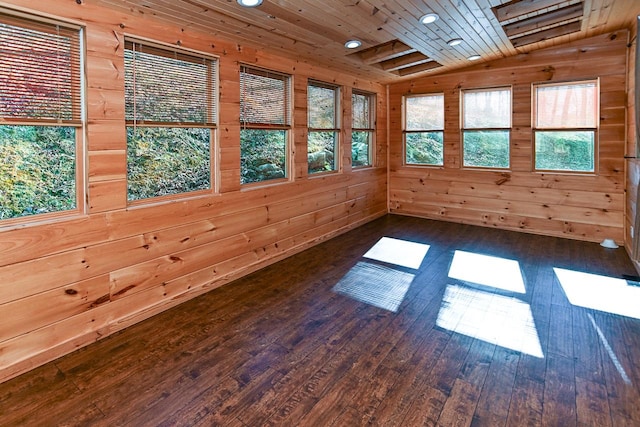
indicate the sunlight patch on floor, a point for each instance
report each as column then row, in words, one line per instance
column 601, row 293
column 398, row 252
column 487, row 270
column 376, row 285
column 504, row 321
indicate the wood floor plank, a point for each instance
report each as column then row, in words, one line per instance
column 559, row 404
column 282, row 347
column 525, row 408
column 495, row 400
column 592, row 405
column 459, row 408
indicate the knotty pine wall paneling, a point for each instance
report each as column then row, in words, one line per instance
column 566, row 205
column 67, row 283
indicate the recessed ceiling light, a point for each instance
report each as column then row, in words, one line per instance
column 454, row 42
column 353, row 44
column 429, row 18
column 473, row 57
column 249, row 3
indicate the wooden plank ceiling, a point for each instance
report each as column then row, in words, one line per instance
column 395, row 45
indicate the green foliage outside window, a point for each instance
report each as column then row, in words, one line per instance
column 360, row 148
column 37, row 170
column 424, row 148
column 488, row 149
column 565, row 150
column 321, row 148
column 163, row 161
column 263, row 155
column 322, row 141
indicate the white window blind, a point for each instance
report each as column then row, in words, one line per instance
column 264, row 98
column 40, row 71
column 165, row 86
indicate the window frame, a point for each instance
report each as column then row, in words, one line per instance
column 371, row 130
column 406, row 132
column 464, row 129
column 596, row 130
column 77, row 37
column 213, row 76
column 286, row 127
column 337, row 93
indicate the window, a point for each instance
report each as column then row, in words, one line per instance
column 565, row 126
column 424, row 129
column 322, row 142
column 265, row 122
column 362, row 128
column 41, row 116
column 486, row 123
column 170, row 112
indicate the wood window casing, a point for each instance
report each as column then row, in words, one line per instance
column 170, row 98
column 265, row 113
column 576, row 113
column 323, row 110
column 41, row 88
column 363, row 122
column 490, row 119
column 423, row 129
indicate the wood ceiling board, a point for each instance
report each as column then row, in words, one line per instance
column 470, row 21
column 547, row 34
column 523, row 7
column 349, row 18
column 309, row 30
column 406, row 27
column 243, row 33
column 214, row 22
column 543, row 20
column 404, row 61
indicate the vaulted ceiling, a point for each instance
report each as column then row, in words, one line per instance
column 395, row 44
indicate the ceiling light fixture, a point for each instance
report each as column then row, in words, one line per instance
column 454, row 42
column 249, row 3
column 353, row 44
column 473, row 57
column 429, row 18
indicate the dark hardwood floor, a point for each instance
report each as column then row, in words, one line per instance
column 293, row 345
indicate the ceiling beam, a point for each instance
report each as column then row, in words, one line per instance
column 544, row 20
column 523, row 7
column 547, row 34
column 404, row 61
column 385, row 52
